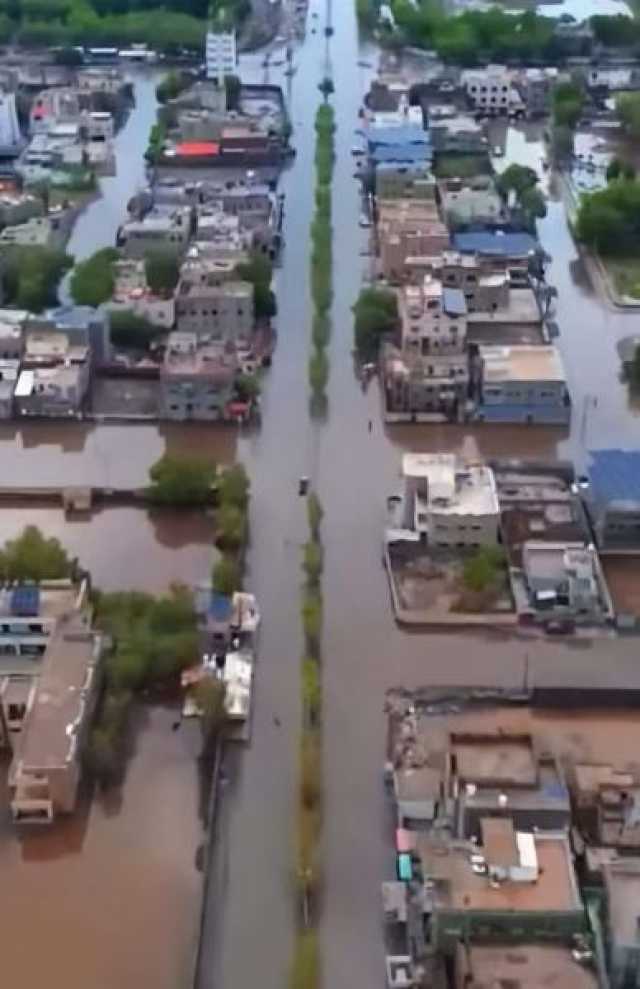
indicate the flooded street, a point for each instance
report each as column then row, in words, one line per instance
column 110, row 897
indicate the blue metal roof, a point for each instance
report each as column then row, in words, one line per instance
column 25, row 601
column 219, row 606
column 614, row 475
column 491, row 242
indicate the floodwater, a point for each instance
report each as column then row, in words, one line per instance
column 110, row 896
column 249, row 898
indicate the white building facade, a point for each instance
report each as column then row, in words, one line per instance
column 220, row 55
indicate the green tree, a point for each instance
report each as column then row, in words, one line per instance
column 258, row 270
column 247, row 387
column 234, row 487
column 312, row 562
column 533, row 205
column 33, row 557
column 182, row 481
column 92, row 281
column 516, row 178
column 162, row 271
column 481, row 570
column 376, row 315
column 31, row 276
column 318, row 371
column 628, row 109
column 311, row 687
column 226, row 576
column 231, row 527
column 312, row 617
column 315, row 514
column 172, row 85
column 568, row 100
column 130, row 331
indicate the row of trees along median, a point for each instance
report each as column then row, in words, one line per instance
column 155, row 638
column 321, row 254
column 305, row 970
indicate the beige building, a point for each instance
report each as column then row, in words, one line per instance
column 427, row 377
column 219, row 308
column 45, row 772
column 450, row 503
column 408, row 228
column 196, row 379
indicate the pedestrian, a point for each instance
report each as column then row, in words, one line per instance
column 276, row 721
column 370, row 425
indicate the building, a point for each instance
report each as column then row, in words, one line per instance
column 453, row 132
column 485, row 286
column 196, row 379
column 522, row 384
column 622, row 888
column 613, row 498
column 9, row 371
column 39, row 231
column 52, row 392
column 607, row 805
column 433, row 319
column 535, row 87
column 468, row 202
column 221, row 310
column 408, row 228
column 520, row 966
column 132, row 294
column 10, row 136
column 540, row 505
column 404, row 182
column 47, row 762
column 515, row 250
column 450, row 503
column 490, row 91
column 220, row 55
column 166, row 228
column 564, row 580
column 83, row 326
column 526, row 889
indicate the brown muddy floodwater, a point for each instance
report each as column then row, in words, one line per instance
column 110, row 897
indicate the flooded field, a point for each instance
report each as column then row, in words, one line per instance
column 111, row 896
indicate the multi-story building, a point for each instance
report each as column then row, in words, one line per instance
column 485, row 286
column 131, row 293
column 515, row 250
column 534, row 894
column 408, row 228
column 165, row 228
column 491, row 91
column 404, row 182
column 52, row 392
column 475, row 201
column 196, row 379
column 564, row 580
column 83, row 326
column 427, row 377
column 522, row 384
column 221, row 310
column 220, row 54
column 450, row 503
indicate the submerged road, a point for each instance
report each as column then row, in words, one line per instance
column 250, row 917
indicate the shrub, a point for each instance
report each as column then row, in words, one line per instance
column 226, row 576
column 312, row 562
column 234, row 486
column 311, row 687
column 231, row 527
column 32, row 557
column 181, row 481
column 312, row 616
column 315, row 514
